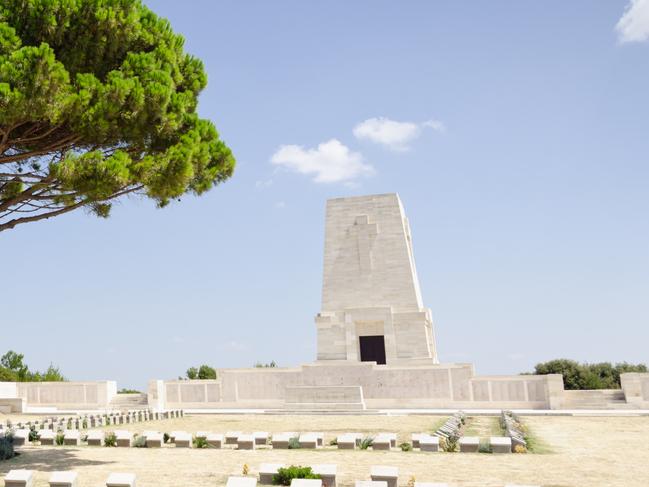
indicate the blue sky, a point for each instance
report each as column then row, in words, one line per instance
column 516, row 134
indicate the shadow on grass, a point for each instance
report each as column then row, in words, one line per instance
column 47, row 460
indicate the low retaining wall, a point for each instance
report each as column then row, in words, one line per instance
column 636, row 388
column 67, row 395
column 381, row 386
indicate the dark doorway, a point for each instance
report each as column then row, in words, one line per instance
column 372, row 349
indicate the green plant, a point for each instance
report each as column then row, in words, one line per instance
column 245, row 470
column 405, row 446
column 110, row 439
column 484, row 447
column 333, row 442
column 580, row 376
column 84, row 424
column 366, row 443
column 200, row 443
column 449, row 444
column 139, row 441
column 294, row 444
column 7, row 447
column 166, row 437
column 128, row 391
column 285, row 475
column 59, row 439
column 33, row 434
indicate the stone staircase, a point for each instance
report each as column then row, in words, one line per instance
column 595, row 399
column 125, row 402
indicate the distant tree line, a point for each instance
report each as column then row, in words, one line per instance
column 14, row 369
column 580, row 376
column 261, row 365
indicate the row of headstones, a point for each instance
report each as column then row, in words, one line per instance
column 512, row 426
column 182, row 439
column 381, row 476
column 95, row 420
column 452, row 427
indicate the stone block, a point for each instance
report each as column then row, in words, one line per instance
column 308, row 440
column 428, row 443
column 154, row 439
column 63, row 479
column 414, row 439
column 431, row 484
column 500, row 444
column 280, row 440
column 46, row 437
column 95, row 438
column 469, row 444
column 306, row 483
column 123, row 438
column 231, row 437
column 385, row 473
column 267, row 471
column 172, row 436
column 346, row 441
column 72, row 437
column 241, row 482
column 246, row 442
column 370, row 483
column 381, row 442
column 214, row 440
column 261, row 437
column 121, row 480
column 21, row 437
column 327, row 473
column 19, row 478
column 183, row 440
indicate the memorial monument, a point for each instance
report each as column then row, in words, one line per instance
column 371, row 302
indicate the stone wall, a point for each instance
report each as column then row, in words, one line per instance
column 68, row 395
column 407, row 387
column 636, row 388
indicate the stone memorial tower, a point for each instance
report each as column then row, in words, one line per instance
column 371, row 303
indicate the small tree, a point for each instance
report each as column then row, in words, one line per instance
column 203, row 372
column 206, row 372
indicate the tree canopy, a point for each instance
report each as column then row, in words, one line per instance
column 98, row 100
column 14, row 369
column 578, row 376
column 203, row 372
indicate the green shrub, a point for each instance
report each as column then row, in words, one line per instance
column 285, row 475
column 139, row 441
column 484, row 447
column 84, row 424
column 582, row 376
column 366, row 443
column 200, row 443
column 333, row 442
column 33, row 434
column 166, row 437
column 294, row 444
column 110, row 439
column 449, row 444
column 405, row 447
column 7, row 447
column 59, row 439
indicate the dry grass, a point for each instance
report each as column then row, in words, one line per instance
column 585, row 452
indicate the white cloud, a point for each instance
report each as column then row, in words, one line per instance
column 634, row 24
column 330, row 162
column 393, row 134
